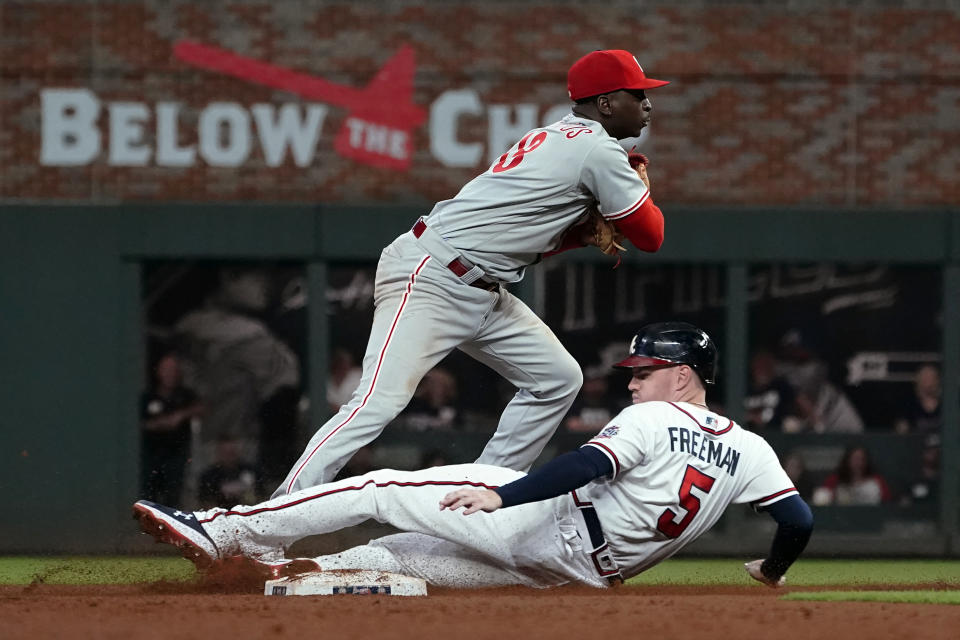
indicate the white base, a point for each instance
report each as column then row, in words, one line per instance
column 328, row 583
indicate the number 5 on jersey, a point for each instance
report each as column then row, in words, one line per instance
column 667, row 524
column 527, row 144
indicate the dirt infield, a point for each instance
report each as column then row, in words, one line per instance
column 205, row 612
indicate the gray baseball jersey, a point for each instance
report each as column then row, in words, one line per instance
column 521, row 206
column 437, row 289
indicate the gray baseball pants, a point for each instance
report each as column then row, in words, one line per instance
column 423, row 311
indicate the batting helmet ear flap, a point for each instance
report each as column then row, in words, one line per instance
column 673, row 343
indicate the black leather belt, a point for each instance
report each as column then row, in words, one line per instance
column 603, row 560
column 593, row 526
column 457, row 265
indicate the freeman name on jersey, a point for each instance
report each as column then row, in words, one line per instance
column 703, row 448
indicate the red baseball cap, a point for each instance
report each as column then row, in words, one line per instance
column 606, row 71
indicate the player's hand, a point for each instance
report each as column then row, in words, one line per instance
column 639, row 163
column 598, row 232
column 472, row 500
column 753, row 568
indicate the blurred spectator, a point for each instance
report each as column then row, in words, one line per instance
column 796, row 470
column 434, row 458
column 167, row 412
column 855, row 482
column 925, row 487
column 230, row 480
column 433, row 405
column 826, row 410
column 594, row 407
column 922, row 413
column 248, row 377
column 770, row 400
column 821, row 406
column 343, row 379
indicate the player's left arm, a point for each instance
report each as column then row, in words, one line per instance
column 794, row 527
column 561, row 475
column 770, row 489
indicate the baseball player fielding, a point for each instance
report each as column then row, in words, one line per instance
column 439, row 286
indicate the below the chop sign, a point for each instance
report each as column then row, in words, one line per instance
column 71, row 136
column 73, row 133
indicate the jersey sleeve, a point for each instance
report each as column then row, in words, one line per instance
column 607, row 174
column 627, row 440
column 768, row 482
column 644, row 227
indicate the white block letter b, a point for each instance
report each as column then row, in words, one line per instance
column 68, row 127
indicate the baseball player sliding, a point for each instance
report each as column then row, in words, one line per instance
column 439, row 286
column 655, row 478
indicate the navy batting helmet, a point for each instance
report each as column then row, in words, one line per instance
column 673, row 343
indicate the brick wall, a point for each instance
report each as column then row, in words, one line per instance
column 832, row 103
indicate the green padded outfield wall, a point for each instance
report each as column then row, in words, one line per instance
column 129, row 102
column 70, row 330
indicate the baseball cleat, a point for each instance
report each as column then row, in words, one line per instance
column 178, row 528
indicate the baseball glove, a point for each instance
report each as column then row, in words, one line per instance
column 601, row 233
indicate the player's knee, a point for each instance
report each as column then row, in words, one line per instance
column 561, row 380
column 383, row 403
column 385, row 478
column 569, row 376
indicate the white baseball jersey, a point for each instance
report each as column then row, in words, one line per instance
column 676, row 468
column 519, row 208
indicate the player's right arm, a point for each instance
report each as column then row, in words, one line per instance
column 606, row 455
column 622, row 444
column 561, row 475
column 623, row 196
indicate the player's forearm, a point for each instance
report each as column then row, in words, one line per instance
column 643, row 227
column 794, row 527
column 561, row 475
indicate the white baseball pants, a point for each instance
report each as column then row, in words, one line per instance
column 539, row 544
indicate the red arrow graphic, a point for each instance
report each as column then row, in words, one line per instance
column 381, row 116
